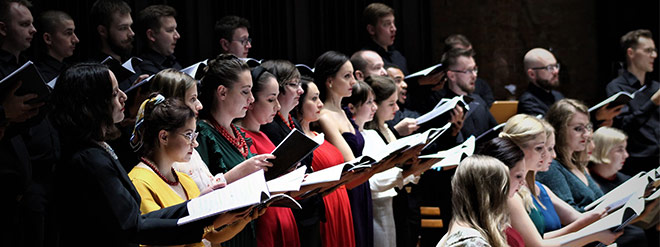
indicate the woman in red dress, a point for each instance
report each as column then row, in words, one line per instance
column 337, row 230
column 277, row 227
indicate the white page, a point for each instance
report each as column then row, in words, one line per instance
column 423, row 72
column 192, row 69
column 243, row 192
column 373, row 144
column 287, row 182
column 622, row 190
column 612, row 220
column 52, row 82
column 129, row 64
column 443, row 106
column 453, row 156
column 329, row 174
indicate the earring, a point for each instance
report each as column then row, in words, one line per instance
column 330, row 85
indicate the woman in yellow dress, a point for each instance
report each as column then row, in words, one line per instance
column 165, row 131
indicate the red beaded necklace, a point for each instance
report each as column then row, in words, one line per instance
column 288, row 124
column 238, row 142
column 155, row 169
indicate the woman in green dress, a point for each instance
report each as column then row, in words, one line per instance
column 226, row 93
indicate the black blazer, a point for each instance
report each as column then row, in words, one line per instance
column 98, row 205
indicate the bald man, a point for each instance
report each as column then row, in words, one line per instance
column 366, row 63
column 542, row 71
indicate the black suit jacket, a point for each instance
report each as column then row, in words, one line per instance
column 98, row 205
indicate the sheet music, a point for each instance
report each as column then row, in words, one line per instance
column 243, row 192
column 329, row 174
column 423, row 72
column 287, row 182
column 443, row 106
column 453, row 156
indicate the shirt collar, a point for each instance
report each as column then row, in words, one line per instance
column 53, row 63
column 7, row 57
column 158, row 58
column 539, row 92
column 631, row 79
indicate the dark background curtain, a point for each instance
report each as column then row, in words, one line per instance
column 584, row 35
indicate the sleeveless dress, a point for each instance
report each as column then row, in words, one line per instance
column 337, row 230
column 550, row 216
column 308, row 219
column 276, row 227
column 360, row 196
column 537, row 219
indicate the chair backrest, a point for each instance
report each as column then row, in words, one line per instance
column 503, row 110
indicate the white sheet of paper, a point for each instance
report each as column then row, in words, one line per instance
column 192, row 69
column 453, row 156
column 129, row 64
column 52, row 82
column 612, row 220
column 423, row 72
column 634, row 183
column 443, row 106
column 243, row 192
column 326, row 175
column 287, row 182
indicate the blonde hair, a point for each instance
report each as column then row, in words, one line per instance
column 521, row 129
column 559, row 114
column 479, row 192
column 605, row 138
column 172, row 83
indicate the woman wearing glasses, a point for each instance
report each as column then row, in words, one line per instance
column 175, row 84
column 167, row 135
column 96, row 202
column 567, row 176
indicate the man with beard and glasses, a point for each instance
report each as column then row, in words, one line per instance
column 461, row 70
column 112, row 19
column 542, row 72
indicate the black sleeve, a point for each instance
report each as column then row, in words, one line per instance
column 158, row 227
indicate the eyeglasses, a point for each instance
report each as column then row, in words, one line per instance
column 190, row 136
column 650, row 50
column 293, row 84
column 467, row 71
column 583, row 128
column 245, row 41
column 550, row 67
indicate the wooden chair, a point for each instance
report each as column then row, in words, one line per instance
column 503, row 110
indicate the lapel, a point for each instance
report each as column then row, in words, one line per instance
column 126, row 181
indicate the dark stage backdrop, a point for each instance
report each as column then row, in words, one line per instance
column 583, row 34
